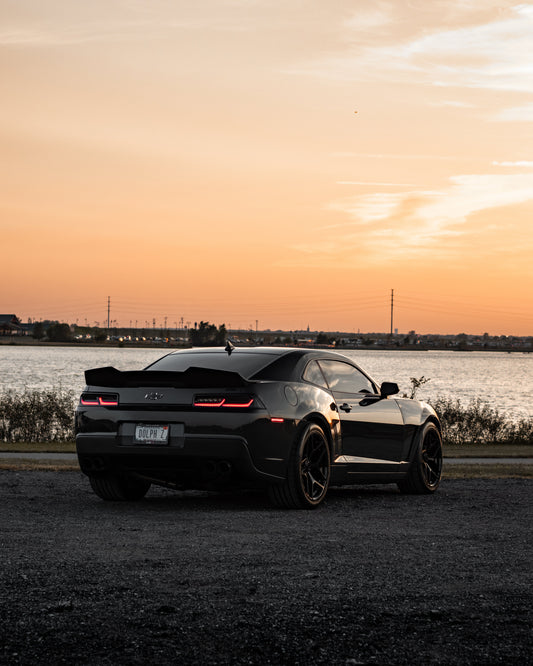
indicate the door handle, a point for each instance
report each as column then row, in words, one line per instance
column 346, row 407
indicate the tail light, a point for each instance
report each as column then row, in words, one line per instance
column 224, row 401
column 99, row 400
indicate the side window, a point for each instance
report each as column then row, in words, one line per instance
column 313, row 374
column 345, row 378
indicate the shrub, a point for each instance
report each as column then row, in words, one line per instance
column 37, row 416
column 416, row 383
column 479, row 423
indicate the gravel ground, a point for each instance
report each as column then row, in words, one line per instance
column 372, row 577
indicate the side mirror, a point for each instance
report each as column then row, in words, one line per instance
column 389, row 388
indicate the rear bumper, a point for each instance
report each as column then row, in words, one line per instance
column 190, row 461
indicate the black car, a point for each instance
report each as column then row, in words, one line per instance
column 292, row 421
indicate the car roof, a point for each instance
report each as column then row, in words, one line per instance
column 268, row 351
column 272, row 351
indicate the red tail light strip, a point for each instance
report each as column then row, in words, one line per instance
column 219, row 401
column 239, row 404
column 99, row 400
column 89, row 403
column 108, row 403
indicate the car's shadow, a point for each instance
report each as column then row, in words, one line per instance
column 164, row 499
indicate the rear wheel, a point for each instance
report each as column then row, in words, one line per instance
column 308, row 472
column 119, row 488
column 425, row 471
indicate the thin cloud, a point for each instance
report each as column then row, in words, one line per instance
column 368, row 208
column 391, row 225
column 470, row 194
column 495, row 55
column 373, row 184
column 65, row 32
column 521, row 114
column 394, row 156
column 453, row 104
column 368, row 20
column 83, row 33
column 520, row 163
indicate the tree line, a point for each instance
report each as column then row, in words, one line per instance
column 203, row 334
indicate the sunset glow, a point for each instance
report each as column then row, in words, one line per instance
column 282, row 162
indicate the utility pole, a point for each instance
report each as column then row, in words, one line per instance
column 108, row 311
column 391, row 311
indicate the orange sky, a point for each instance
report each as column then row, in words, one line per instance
column 203, row 160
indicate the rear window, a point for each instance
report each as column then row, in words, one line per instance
column 246, row 365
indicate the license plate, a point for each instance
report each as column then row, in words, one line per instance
column 151, row 434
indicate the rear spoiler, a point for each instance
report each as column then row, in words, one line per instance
column 192, row 378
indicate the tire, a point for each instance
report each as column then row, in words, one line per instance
column 426, row 468
column 119, row 488
column 308, row 472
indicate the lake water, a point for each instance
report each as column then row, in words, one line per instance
column 505, row 380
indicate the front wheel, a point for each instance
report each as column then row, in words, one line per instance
column 119, row 488
column 426, row 468
column 308, row 472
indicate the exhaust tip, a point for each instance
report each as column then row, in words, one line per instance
column 225, row 467
column 214, row 470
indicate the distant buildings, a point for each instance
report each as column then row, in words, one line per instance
column 10, row 324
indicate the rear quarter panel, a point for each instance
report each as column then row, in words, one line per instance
column 297, row 402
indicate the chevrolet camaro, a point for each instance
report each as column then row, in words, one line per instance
column 291, row 421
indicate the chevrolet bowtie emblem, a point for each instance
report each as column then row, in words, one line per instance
column 153, row 396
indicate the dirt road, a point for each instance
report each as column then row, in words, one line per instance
column 197, row 578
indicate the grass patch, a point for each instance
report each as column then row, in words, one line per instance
column 38, row 447
column 22, row 465
column 488, row 451
column 491, row 471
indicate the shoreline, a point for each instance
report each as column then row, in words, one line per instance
column 22, row 342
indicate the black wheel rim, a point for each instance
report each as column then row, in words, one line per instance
column 432, row 458
column 314, row 467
